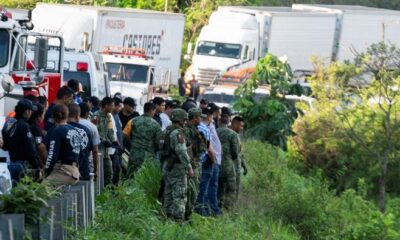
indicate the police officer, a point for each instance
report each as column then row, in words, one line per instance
column 145, row 138
column 107, row 136
column 177, row 167
column 197, row 146
column 19, row 142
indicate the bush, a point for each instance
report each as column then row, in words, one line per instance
column 308, row 204
column 130, row 212
column 27, row 198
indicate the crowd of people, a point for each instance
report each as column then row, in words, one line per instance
column 197, row 147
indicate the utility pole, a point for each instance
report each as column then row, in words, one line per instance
column 165, row 5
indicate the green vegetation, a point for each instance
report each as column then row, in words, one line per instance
column 276, row 203
column 271, row 117
column 26, row 198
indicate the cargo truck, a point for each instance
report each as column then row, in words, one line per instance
column 236, row 37
column 145, row 42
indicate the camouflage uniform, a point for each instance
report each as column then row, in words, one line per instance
column 106, row 133
column 228, row 176
column 177, row 164
column 196, row 145
column 145, row 139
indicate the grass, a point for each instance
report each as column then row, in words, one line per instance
column 276, row 203
column 132, row 211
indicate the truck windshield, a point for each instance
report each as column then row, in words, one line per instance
column 4, row 43
column 215, row 49
column 127, row 72
column 219, row 98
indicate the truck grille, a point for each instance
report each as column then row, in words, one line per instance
column 206, row 76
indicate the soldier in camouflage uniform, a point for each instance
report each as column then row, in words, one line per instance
column 177, row 167
column 145, row 135
column 230, row 154
column 196, row 145
column 107, row 136
column 237, row 126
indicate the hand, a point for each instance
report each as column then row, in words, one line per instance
column 244, row 170
column 107, row 143
column 191, row 173
column 212, row 157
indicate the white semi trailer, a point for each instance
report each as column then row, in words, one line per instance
column 358, row 27
column 147, row 44
column 236, row 37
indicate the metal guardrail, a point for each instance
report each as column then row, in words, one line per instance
column 74, row 209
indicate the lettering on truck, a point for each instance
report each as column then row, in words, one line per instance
column 150, row 43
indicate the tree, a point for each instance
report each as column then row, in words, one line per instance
column 363, row 96
column 270, row 118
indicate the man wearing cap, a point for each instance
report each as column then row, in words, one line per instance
column 210, row 172
column 216, row 111
column 231, row 150
column 19, row 142
column 196, row 146
column 128, row 111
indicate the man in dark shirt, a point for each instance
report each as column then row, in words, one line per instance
column 181, row 85
column 64, row 96
column 86, row 140
column 116, row 157
column 128, row 111
column 159, row 102
column 64, row 144
column 19, row 142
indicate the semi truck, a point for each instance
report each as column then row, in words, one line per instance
column 147, row 43
column 236, row 37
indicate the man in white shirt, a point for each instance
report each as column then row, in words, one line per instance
column 207, row 198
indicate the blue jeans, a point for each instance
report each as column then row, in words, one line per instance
column 202, row 203
column 212, row 198
column 17, row 171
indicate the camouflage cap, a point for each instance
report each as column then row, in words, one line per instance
column 179, row 115
column 196, row 112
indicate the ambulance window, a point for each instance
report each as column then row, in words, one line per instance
column 4, row 46
column 83, row 78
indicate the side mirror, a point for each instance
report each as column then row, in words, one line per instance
column 41, row 53
column 7, row 83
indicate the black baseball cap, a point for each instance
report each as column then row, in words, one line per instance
column 226, row 111
column 207, row 111
column 26, row 104
column 214, row 107
column 129, row 101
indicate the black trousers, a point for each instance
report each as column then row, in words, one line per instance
column 116, row 166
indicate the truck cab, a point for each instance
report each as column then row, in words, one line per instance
column 131, row 73
column 229, row 40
